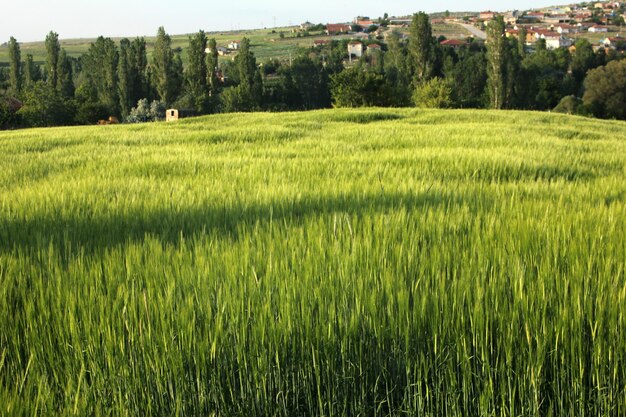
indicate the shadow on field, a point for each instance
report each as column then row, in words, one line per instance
column 106, row 230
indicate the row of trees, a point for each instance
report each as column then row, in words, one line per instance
column 111, row 79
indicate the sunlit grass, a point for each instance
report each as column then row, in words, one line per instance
column 341, row 262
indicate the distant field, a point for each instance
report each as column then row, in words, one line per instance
column 265, row 44
column 339, row 262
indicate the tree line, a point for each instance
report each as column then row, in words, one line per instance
column 121, row 80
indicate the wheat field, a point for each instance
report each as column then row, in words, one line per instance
column 332, row 263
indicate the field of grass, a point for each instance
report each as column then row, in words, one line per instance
column 332, row 263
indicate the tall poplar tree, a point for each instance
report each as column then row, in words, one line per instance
column 421, row 47
column 100, row 68
column 53, row 50
column 125, row 83
column 196, row 71
column 139, row 69
column 15, row 70
column 65, row 80
column 496, row 63
column 30, row 71
column 248, row 95
column 211, row 64
column 521, row 45
column 162, row 67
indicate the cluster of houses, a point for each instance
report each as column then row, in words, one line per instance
column 225, row 50
column 557, row 25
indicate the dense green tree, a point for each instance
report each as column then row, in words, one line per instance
column 31, row 71
column 570, row 105
column 583, row 59
column 355, row 87
column 468, row 80
column 543, row 74
column 213, row 81
column 163, row 68
column 521, row 42
column 45, row 106
column 435, row 93
column 100, row 67
column 15, row 62
column 53, row 50
column 421, row 47
column 248, row 94
column 397, row 70
column 497, row 52
column 605, row 90
column 196, row 71
column 305, row 78
column 126, row 82
column 65, row 80
column 138, row 67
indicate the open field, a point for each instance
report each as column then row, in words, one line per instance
column 340, row 262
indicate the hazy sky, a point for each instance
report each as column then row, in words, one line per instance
column 30, row 20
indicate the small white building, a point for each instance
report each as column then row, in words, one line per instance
column 598, row 29
column 234, row 45
column 355, row 49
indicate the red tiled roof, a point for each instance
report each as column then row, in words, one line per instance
column 331, row 27
column 452, row 42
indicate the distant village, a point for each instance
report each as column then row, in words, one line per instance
column 558, row 26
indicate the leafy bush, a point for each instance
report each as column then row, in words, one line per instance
column 435, row 94
column 147, row 112
column 605, row 90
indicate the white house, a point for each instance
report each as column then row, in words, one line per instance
column 234, row 45
column 355, row 49
column 598, row 29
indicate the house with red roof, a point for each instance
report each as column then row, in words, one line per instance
column 453, row 43
column 335, row 29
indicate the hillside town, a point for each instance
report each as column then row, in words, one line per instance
column 559, row 27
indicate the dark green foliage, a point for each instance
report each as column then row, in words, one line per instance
column 164, row 78
column 139, row 70
column 305, row 85
column 583, row 60
column 196, row 72
column 65, row 80
column 8, row 117
column 570, row 105
column 543, row 80
column 89, row 113
column 126, row 82
column 213, row 81
column 31, row 71
column 421, row 47
column 53, row 50
column 100, row 66
column 45, row 106
column 355, row 87
column 605, row 90
column 397, row 70
column 248, row 94
column 15, row 68
column 497, row 54
column 469, row 80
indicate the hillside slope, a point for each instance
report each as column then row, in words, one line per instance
column 338, row 262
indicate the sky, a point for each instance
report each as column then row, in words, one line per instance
column 31, row 20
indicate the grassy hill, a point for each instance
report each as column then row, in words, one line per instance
column 339, row 262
